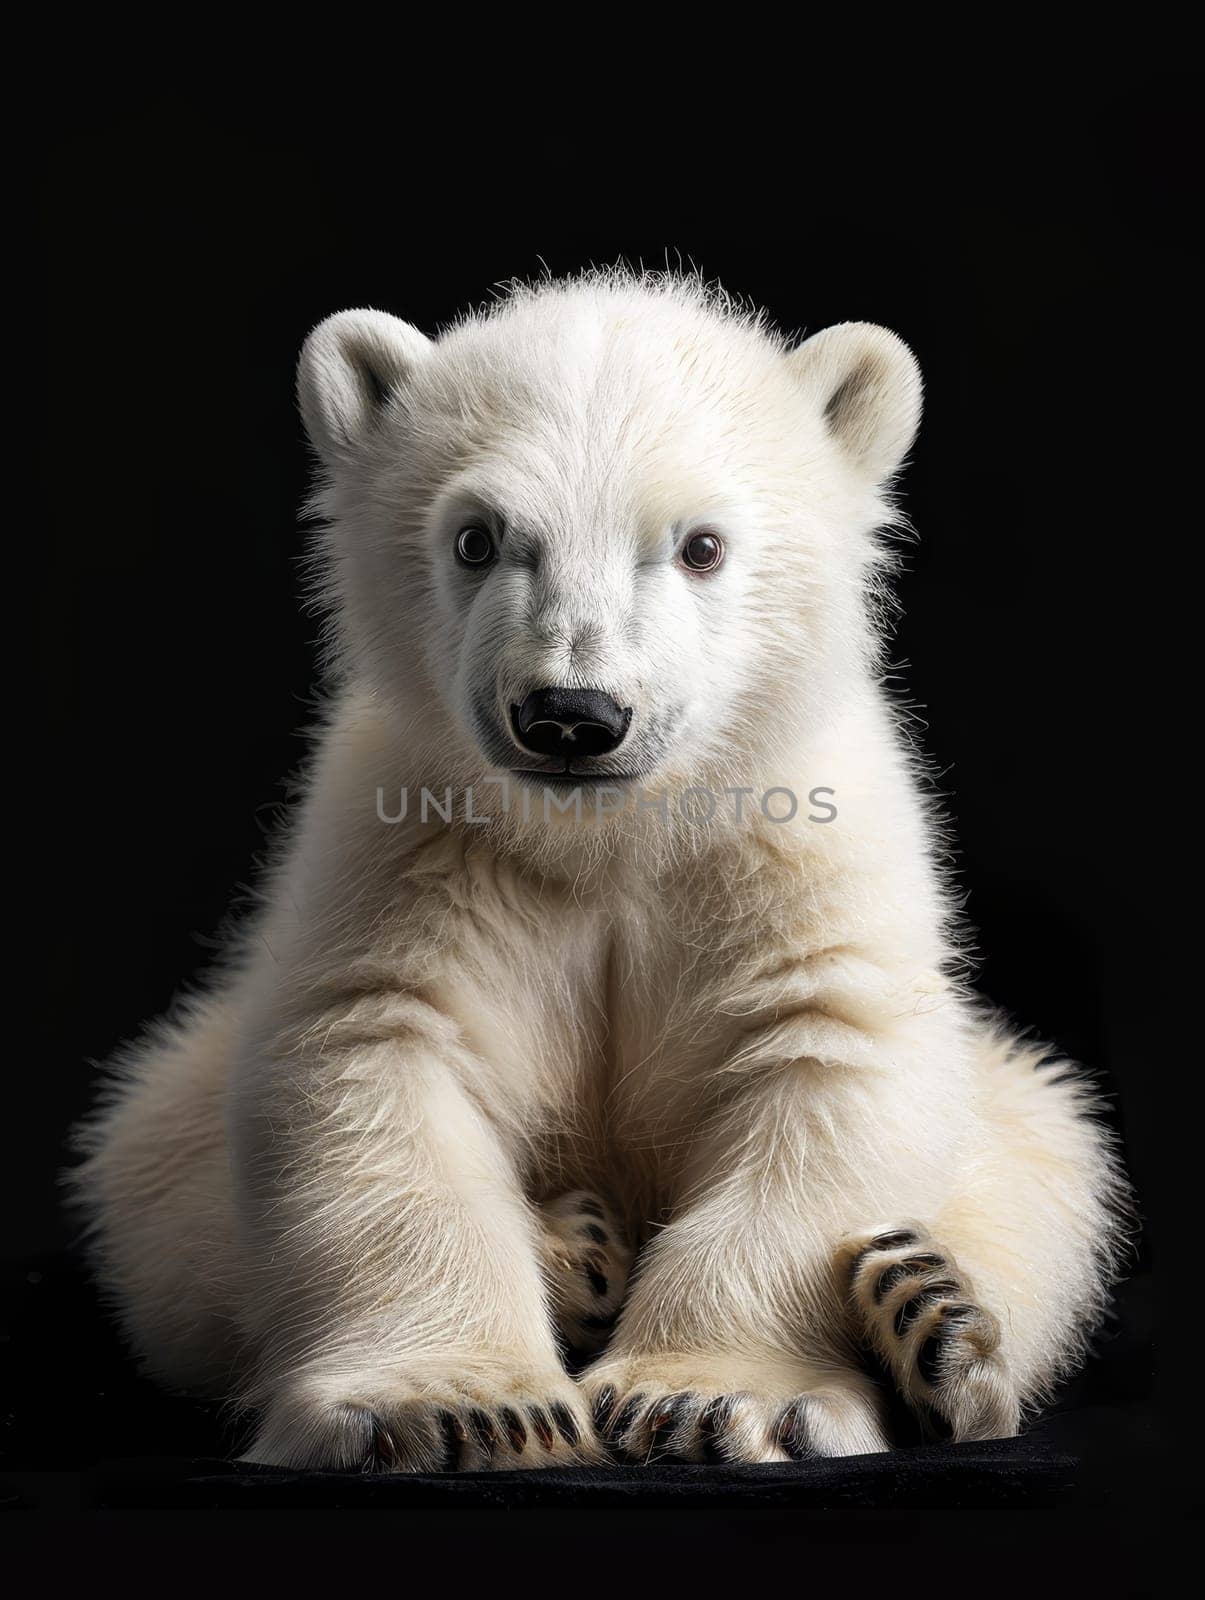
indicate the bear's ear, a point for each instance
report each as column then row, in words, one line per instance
column 867, row 386
column 349, row 366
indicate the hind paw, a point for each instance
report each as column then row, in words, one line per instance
column 587, row 1258
column 919, row 1313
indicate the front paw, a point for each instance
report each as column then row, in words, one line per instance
column 410, row 1423
column 689, row 1408
column 587, row 1258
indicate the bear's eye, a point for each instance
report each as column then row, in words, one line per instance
column 703, row 552
column 474, row 546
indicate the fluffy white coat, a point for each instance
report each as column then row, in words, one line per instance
column 329, row 1188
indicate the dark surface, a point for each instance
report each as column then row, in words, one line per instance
column 81, row 1428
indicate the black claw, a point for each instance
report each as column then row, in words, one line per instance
column 930, row 1356
column 893, row 1275
column 593, row 1231
column 713, row 1420
column 626, row 1417
column 911, row 1309
column 885, row 1241
column 600, row 1324
column 928, row 1359
column 381, row 1456
column 484, row 1430
column 542, row 1426
column 793, row 1432
column 513, row 1423
column 958, row 1316
column 566, row 1426
column 597, row 1281
column 893, row 1241
column 604, row 1405
column 454, row 1436
column 667, row 1417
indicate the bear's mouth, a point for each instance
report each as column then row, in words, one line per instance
column 569, row 777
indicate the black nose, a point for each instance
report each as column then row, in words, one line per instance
column 573, row 723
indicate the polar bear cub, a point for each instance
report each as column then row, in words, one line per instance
column 608, row 920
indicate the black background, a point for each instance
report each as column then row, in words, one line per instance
column 1034, row 262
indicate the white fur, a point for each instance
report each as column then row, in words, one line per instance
column 318, row 1187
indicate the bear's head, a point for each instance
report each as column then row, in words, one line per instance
column 611, row 531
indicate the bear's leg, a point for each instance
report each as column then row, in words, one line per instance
column 732, row 1343
column 998, row 1283
column 154, row 1193
column 394, row 1287
column 587, row 1258
column 979, row 1318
